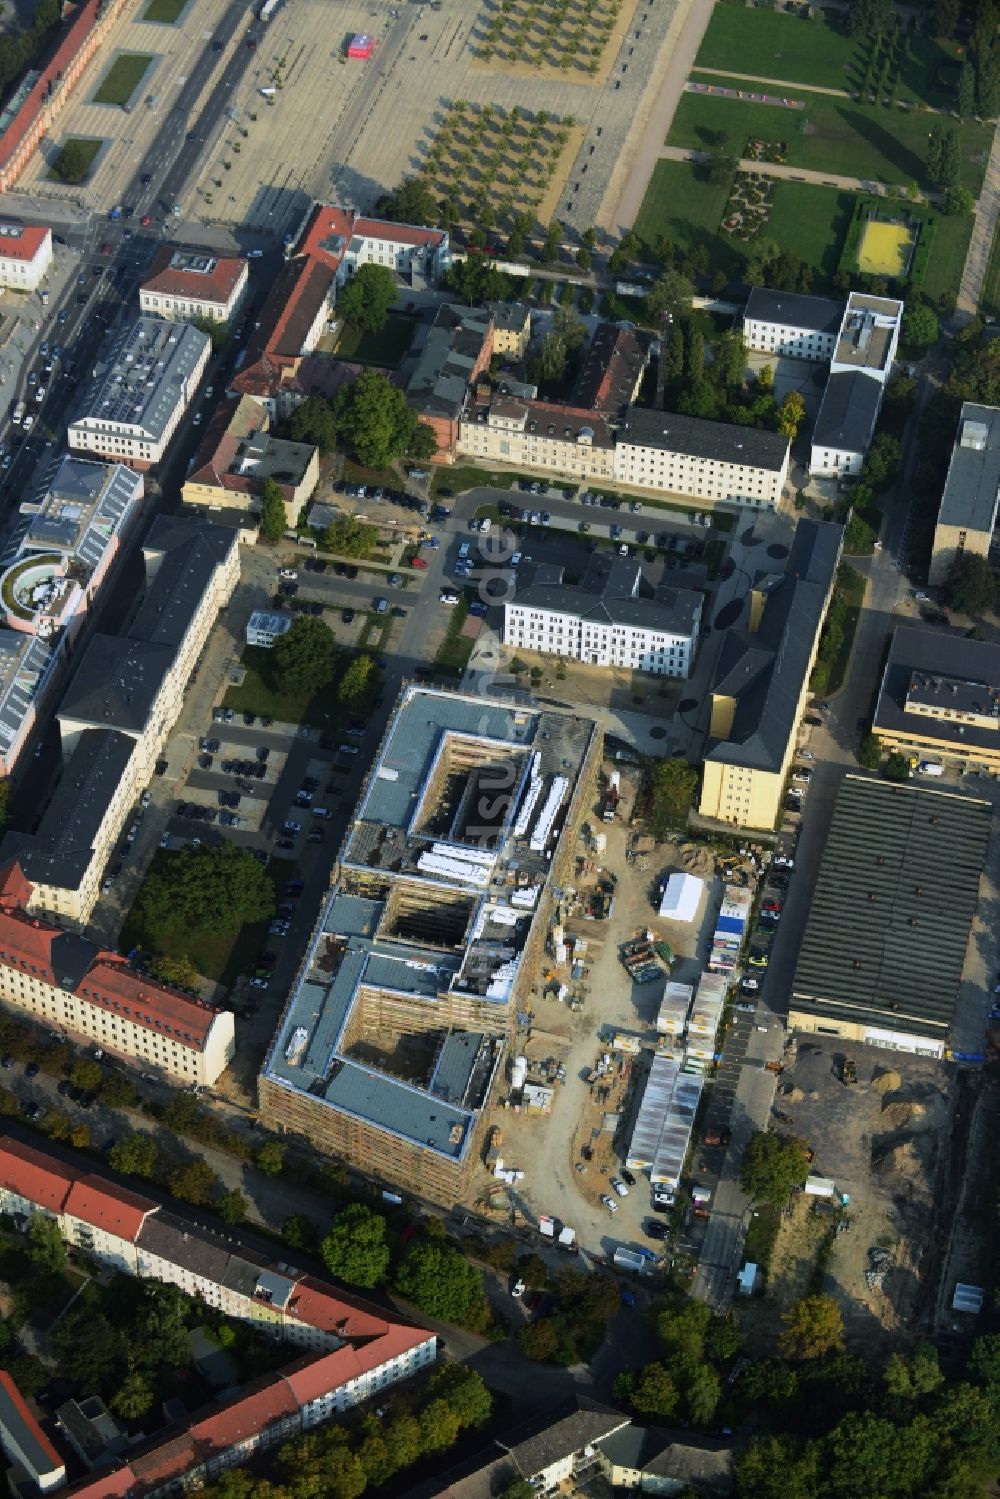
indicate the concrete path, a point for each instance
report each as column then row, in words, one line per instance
column 983, row 230
column 781, row 169
column 782, row 83
column 627, row 187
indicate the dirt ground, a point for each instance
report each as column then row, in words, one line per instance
column 607, row 687
column 885, row 1143
column 549, row 1148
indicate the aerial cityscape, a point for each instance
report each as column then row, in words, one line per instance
column 499, row 728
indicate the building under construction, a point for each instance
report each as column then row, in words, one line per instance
column 395, row 1029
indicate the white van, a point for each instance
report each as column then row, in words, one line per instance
column 930, row 768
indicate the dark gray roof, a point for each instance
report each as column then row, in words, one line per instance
column 764, row 670
column 148, row 376
column 182, row 579
column 440, row 381
column 116, row 683
column 700, row 1461
column 847, row 413
column 544, row 1444
column 946, row 669
column 717, row 442
column 168, row 532
column 972, row 487
column 887, row 932
column 60, row 851
column 456, row 1065
column 607, row 593
column 818, row 314
column 182, row 1243
column 24, row 661
column 511, row 316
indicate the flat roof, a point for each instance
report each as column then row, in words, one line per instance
column 972, row 488
column 888, row 928
column 149, row 374
column 947, row 671
column 716, row 442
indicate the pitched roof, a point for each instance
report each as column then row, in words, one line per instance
column 34, row 1174
column 104, row 1205
column 22, row 241
column 184, row 273
column 612, row 369
column 716, row 442
column 317, row 1304
column 113, row 985
column 554, row 1439
column 792, row 310
column 17, row 1420
column 70, row 44
column 848, row 412
column 310, row 1378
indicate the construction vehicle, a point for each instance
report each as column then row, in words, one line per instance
column 848, row 1071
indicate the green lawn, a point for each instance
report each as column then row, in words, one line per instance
column 386, row 348
column 947, row 260
column 831, row 135
column 686, row 209
column 989, row 302
column 165, row 11
column 767, row 44
column 811, row 221
column 260, row 693
column 123, row 78
column 89, row 146
column 455, row 649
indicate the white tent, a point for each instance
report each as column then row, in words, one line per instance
column 681, row 896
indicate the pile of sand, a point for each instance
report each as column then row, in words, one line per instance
column 898, row 1115
column 901, row 1159
column 886, row 1081
column 793, row 1094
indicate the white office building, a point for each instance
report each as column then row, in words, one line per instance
column 708, row 461
column 860, row 368
column 791, row 326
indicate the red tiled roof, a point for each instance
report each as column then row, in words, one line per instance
column 70, row 45
column 114, row 1209
column 34, row 1175
column 317, row 1304
column 268, row 1400
column 18, row 1401
column 171, row 281
column 26, row 244
column 110, row 983
column 329, row 220
column 113, row 1485
column 311, row 1378
column 26, row 943
column 15, row 889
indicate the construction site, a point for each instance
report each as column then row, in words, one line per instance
column 399, row 1022
column 871, row 1231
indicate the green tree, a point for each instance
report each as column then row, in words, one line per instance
column 134, row 1397
column 971, row 585
column 273, row 517
column 702, row 1392
column 920, row 325
column 234, row 1207
column 896, row 768
column 270, row 1157
column 584, row 258
column 539, row 1340
column 403, row 1437
column 778, row 1468
column 791, row 414
column 813, row 1326
column 959, row 202
column 365, row 300
column 87, row 1075
column 652, row 1391
column 355, row 684
column 300, row 1232
column 91, row 1351
column 672, row 787
column 946, row 14
column 673, row 355
column 870, row 751
column 423, row 445
column 477, row 280
column 350, row 538
column 195, row 1182
column 439, row 1426
column 911, row 1376
column 304, row 656
column 312, row 422
column 519, row 1489
column 630, row 249
column 158, row 1333
column 465, row 1392
column 694, row 351
column 374, row 418
column 720, row 169
column 966, row 91
column 671, row 295
column 549, row 252
column 411, row 203
column 73, row 162
column 771, row 1166
column 355, row 1249
column 46, row 1250
column 208, row 889
column 179, row 971
column 137, row 1154
column 944, row 156
column 439, row 1281
column 730, row 360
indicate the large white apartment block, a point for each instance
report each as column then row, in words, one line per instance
column 860, row 369
column 791, row 326
column 25, row 255
column 132, row 409
column 187, row 284
column 708, row 461
column 603, row 621
column 538, row 435
column 357, row 1351
column 71, row 985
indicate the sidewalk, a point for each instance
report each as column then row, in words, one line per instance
column 782, row 83
column 987, row 214
column 783, row 170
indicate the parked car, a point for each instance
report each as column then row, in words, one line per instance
column 610, row 1204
